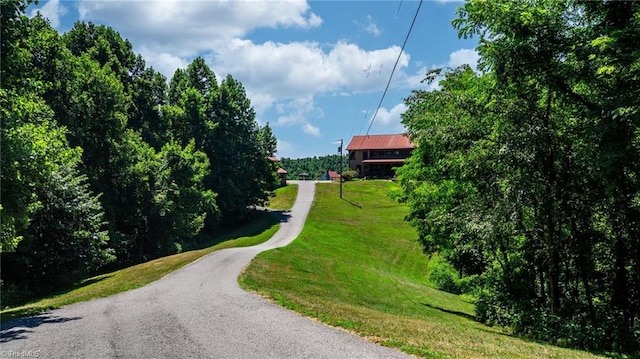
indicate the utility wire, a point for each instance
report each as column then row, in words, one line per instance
column 398, row 12
column 394, row 67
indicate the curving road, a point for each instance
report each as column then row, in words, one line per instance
column 198, row 311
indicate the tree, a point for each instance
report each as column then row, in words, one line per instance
column 527, row 173
column 242, row 174
column 221, row 122
column 183, row 202
column 105, row 46
column 51, row 221
column 314, row 166
column 267, row 140
column 51, row 228
column 146, row 115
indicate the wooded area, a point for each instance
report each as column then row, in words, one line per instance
column 314, row 166
column 527, row 173
column 104, row 162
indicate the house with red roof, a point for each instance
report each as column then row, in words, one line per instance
column 376, row 156
column 329, row 176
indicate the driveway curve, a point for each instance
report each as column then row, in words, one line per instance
column 198, row 311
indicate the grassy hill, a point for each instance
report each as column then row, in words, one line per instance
column 357, row 265
column 258, row 231
column 283, row 198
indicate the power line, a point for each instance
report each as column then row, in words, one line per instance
column 398, row 12
column 394, row 67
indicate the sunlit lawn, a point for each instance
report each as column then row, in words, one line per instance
column 284, row 197
column 357, row 265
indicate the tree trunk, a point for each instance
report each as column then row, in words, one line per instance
column 548, row 168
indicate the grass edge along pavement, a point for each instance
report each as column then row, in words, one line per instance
column 284, row 197
column 260, row 230
column 357, row 265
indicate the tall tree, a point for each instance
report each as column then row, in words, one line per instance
column 242, row 174
column 532, row 168
column 51, row 221
column 267, row 140
column 50, row 218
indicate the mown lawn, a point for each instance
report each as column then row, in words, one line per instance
column 258, row 231
column 357, row 265
column 283, row 197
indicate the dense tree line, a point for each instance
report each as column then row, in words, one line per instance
column 105, row 161
column 313, row 166
column 527, row 174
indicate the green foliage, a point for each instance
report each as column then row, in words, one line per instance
column 267, row 140
column 349, row 175
column 443, row 275
column 361, row 269
column 243, row 174
column 446, row 277
column 314, row 166
column 51, row 222
column 183, row 201
column 526, row 173
column 148, row 96
column 100, row 157
column 260, row 229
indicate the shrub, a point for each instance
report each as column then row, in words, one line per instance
column 348, row 175
column 443, row 275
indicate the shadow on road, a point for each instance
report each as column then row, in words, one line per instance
column 20, row 328
column 282, row 216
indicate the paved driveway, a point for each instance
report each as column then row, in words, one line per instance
column 198, row 311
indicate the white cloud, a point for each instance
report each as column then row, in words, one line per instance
column 163, row 62
column 289, row 76
column 370, row 27
column 456, row 58
column 186, row 28
column 304, row 68
column 311, row 130
column 464, row 56
column 299, row 111
column 52, row 10
column 388, row 121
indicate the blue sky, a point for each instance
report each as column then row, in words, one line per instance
column 314, row 70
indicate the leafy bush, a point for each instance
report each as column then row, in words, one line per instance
column 442, row 274
column 348, row 175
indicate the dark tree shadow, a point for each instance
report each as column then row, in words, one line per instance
column 21, row 328
column 352, row 203
column 281, row 216
column 460, row 314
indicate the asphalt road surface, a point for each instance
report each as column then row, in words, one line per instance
column 198, row 311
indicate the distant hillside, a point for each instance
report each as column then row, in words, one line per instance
column 314, row 166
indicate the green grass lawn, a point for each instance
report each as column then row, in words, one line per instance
column 357, row 265
column 284, row 197
column 258, row 231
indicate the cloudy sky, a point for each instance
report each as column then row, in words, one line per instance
column 314, row 70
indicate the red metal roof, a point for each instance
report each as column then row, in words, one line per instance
column 380, row 142
column 282, row 171
column 333, row 175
